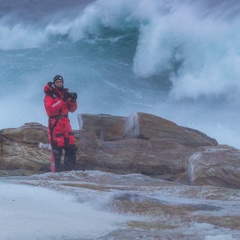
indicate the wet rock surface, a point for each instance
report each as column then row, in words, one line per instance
column 157, row 209
column 140, row 143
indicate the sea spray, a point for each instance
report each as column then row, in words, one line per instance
column 176, row 59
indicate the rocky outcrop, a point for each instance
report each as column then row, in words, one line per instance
column 146, row 126
column 218, row 165
column 140, row 143
column 21, row 151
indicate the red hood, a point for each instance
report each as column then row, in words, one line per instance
column 47, row 88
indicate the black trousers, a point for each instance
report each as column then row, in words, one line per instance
column 69, row 157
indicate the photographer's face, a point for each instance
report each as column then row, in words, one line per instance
column 58, row 83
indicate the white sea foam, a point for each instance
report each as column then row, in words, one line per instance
column 175, row 59
column 205, row 48
column 20, row 37
column 36, row 213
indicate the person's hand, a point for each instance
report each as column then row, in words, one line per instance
column 73, row 96
column 66, row 96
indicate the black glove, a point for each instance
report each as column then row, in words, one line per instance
column 73, row 96
column 50, row 84
column 66, row 96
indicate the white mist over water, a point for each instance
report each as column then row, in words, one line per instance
column 176, row 59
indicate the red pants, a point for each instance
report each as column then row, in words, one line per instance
column 61, row 137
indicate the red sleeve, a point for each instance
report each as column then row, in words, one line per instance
column 52, row 106
column 72, row 106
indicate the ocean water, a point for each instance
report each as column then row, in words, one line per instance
column 177, row 59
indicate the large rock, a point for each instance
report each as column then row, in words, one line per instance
column 104, row 126
column 24, row 150
column 140, row 143
column 141, row 126
column 147, row 126
column 218, row 165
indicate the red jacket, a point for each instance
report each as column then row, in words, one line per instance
column 59, row 129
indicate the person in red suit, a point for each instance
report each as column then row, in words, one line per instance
column 58, row 103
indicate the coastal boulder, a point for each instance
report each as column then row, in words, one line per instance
column 218, row 165
column 147, row 126
column 106, row 127
column 139, row 143
column 24, row 150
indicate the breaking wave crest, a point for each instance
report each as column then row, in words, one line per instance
column 175, row 58
column 199, row 50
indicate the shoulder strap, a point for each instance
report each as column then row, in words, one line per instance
column 49, row 93
column 51, row 127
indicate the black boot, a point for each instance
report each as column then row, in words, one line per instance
column 57, row 152
column 70, row 157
